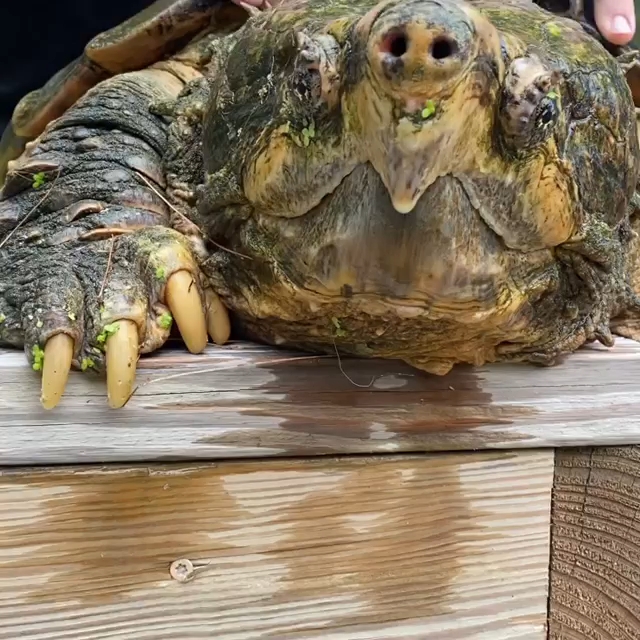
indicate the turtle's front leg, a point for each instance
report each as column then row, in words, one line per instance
column 91, row 272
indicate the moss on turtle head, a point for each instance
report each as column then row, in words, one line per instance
column 38, row 179
column 429, row 109
column 303, row 136
column 339, row 331
column 308, row 133
column 87, row 363
column 554, row 29
column 340, row 29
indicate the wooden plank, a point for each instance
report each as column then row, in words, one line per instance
column 251, row 401
column 440, row 547
column 595, row 557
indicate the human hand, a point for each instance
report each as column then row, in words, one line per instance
column 616, row 20
column 255, row 6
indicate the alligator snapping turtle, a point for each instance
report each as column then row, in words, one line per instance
column 438, row 181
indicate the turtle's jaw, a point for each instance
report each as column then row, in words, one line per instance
column 439, row 259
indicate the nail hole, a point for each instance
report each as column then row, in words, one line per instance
column 395, row 44
column 443, row 48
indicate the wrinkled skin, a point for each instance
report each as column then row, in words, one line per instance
column 432, row 180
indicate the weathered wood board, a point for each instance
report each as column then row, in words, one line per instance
column 432, row 547
column 595, row 557
column 249, row 401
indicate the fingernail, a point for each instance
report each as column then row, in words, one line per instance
column 620, row 24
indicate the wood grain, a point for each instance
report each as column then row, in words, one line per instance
column 245, row 401
column 440, row 547
column 595, row 559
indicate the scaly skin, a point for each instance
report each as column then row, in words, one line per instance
column 438, row 182
column 94, row 247
column 160, row 29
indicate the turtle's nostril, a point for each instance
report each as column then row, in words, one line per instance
column 395, row 44
column 442, row 48
column 422, row 50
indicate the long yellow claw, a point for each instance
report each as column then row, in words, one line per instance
column 185, row 304
column 122, row 357
column 58, row 353
column 218, row 323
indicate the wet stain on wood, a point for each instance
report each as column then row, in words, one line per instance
column 385, row 550
column 380, row 400
column 96, row 534
column 245, row 400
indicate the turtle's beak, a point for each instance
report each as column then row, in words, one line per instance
column 426, row 102
column 418, row 49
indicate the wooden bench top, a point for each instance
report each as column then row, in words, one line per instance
column 247, row 401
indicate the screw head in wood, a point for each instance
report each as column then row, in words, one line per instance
column 182, row 570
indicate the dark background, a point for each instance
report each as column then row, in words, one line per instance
column 39, row 37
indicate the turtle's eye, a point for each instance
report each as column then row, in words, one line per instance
column 307, row 82
column 546, row 113
column 314, row 78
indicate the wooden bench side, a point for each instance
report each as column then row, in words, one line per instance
column 450, row 546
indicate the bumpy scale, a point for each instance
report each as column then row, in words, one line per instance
column 439, row 182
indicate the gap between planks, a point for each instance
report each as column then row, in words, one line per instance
column 247, row 401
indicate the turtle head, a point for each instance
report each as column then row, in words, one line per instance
column 426, row 80
column 401, row 179
column 310, row 91
column 313, row 101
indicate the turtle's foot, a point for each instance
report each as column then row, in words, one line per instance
column 100, row 305
column 560, row 345
column 91, row 273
